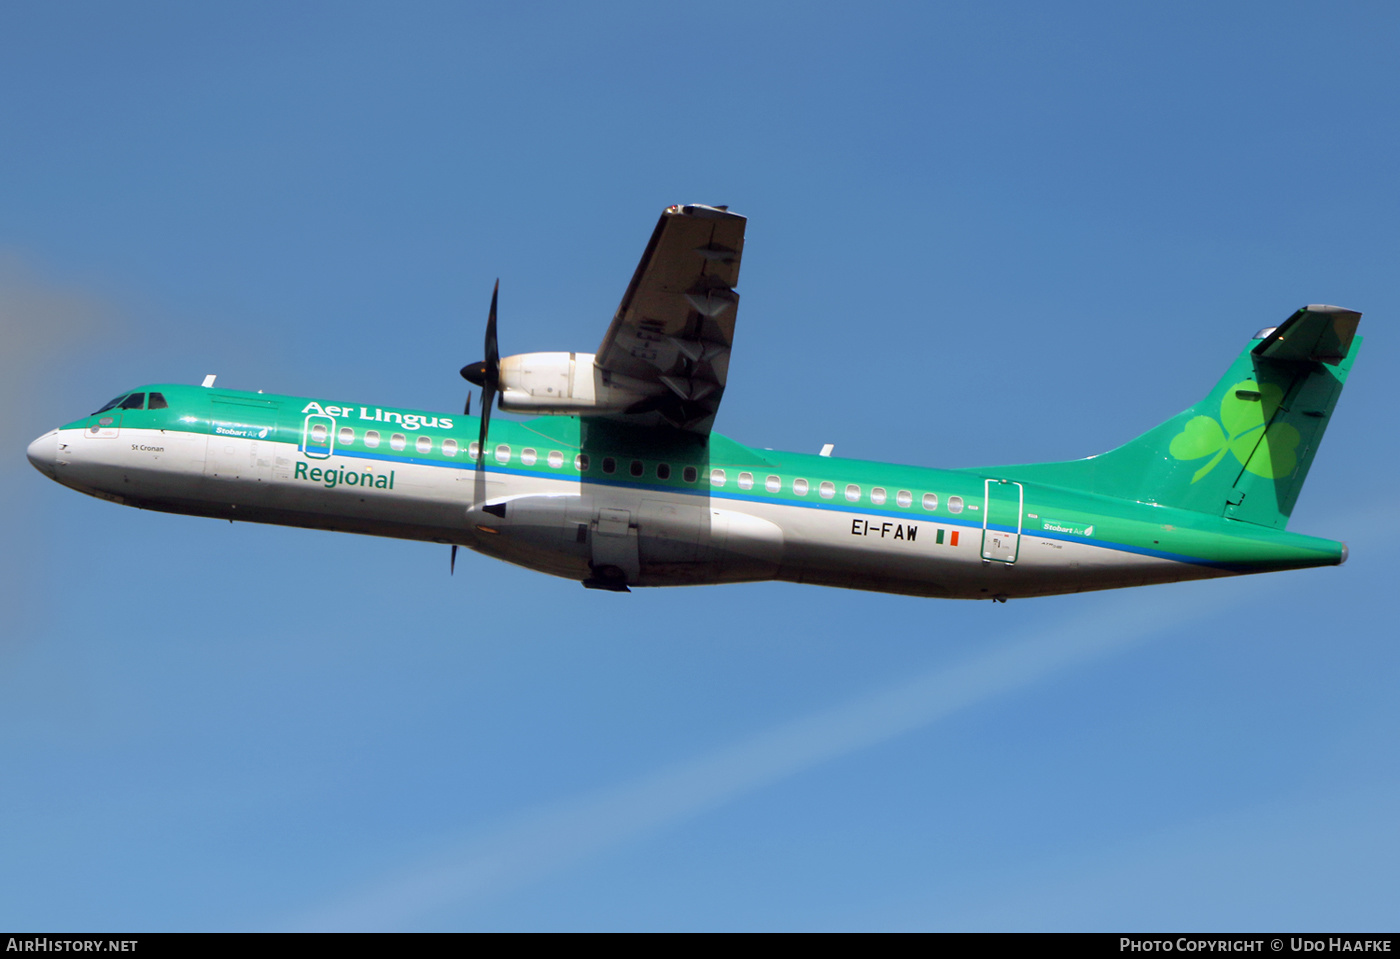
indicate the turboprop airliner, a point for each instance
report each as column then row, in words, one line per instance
column 617, row 479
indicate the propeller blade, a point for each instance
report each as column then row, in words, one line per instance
column 493, row 355
column 486, row 374
column 488, row 399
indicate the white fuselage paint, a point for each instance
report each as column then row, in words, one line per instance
column 566, row 527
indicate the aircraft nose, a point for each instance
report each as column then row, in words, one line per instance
column 43, row 453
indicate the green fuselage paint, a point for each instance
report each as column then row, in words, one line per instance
column 560, row 495
column 620, row 481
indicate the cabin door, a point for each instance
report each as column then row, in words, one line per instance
column 240, row 440
column 1001, row 520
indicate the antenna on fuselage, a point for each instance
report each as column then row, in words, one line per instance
column 209, row 380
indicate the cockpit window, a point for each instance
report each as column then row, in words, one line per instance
column 135, row 401
column 157, row 402
column 110, row 404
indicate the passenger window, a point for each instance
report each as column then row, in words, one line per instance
column 581, row 462
column 691, row 474
column 556, row 459
column 930, row 501
column 134, row 402
column 955, row 504
column 609, row 464
column 396, row 442
column 636, row 469
column 852, row 493
column 319, row 433
column 717, row 478
column 449, row 447
column 528, row 457
column 827, row 490
column 877, row 496
column 772, row 484
column 157, row 402
column 372, row 438
column 663, row 471
column 424, row 444
column 904, row 498
column 503, row 454
column 346, row 436
column 746, row 481
column 474, row 450
column 799, row 486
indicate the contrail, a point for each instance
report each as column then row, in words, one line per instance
column 549, row 840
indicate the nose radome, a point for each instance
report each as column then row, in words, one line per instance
column 43, row 453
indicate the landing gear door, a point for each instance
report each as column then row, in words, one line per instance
column 615, row 556
column 1001, row 520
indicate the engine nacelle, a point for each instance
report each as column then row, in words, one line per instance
column 564, row 383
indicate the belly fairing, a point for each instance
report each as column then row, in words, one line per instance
column 644, row 541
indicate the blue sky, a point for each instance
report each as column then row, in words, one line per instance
column 976, row 235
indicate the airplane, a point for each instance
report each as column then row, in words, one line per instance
column 619, row 481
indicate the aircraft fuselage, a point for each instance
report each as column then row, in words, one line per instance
column 576, row 498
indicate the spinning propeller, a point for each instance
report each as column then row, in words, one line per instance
column 487, row 375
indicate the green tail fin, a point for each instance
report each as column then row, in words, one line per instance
column 1244, row 451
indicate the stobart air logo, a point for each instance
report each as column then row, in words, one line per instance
column 1056, row 526
column 1245, row 413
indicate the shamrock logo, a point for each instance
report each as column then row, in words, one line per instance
column 1246, row 410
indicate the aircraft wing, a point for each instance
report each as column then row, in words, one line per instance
column 672, row 333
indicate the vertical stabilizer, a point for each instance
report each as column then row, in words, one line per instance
column 1244, row 451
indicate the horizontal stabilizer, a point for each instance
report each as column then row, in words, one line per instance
column 1316, row 333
